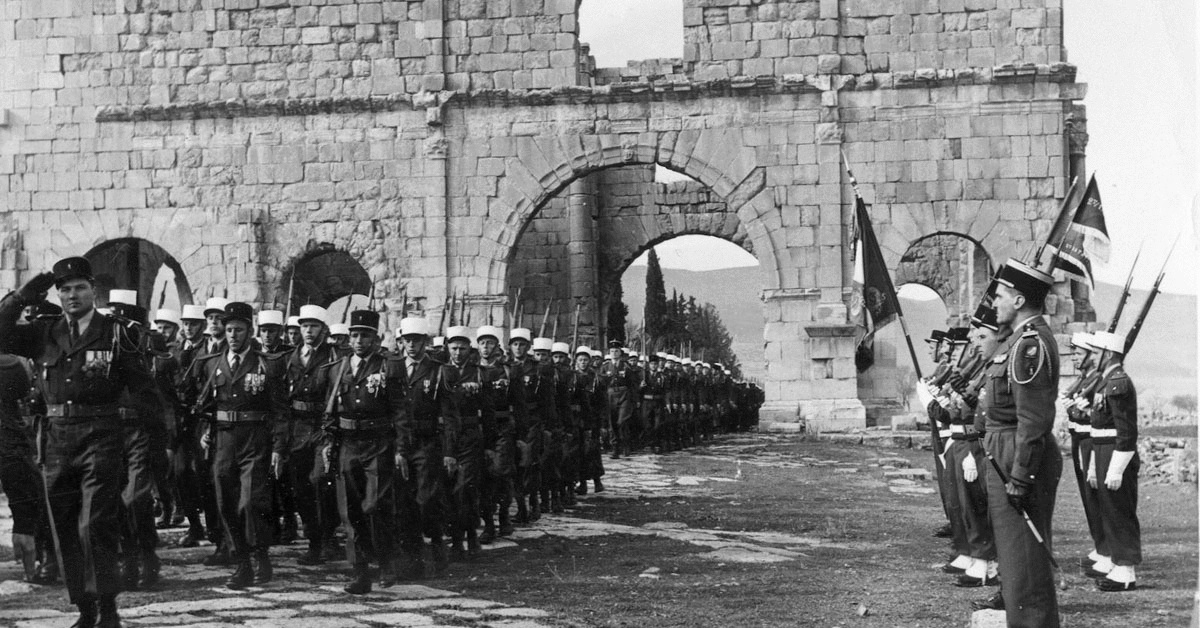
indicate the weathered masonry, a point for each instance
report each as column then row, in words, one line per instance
column 464, row 146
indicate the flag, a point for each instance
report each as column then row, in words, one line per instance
column 878, row 294
column 1074, row 245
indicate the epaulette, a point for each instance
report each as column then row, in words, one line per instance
column 1118, row 383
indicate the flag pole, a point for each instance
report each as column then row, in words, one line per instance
column 1063, row 210
column 864, row 223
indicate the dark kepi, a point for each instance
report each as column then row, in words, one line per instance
column 238, row 311
column 364, row 320
column 1025, row 279
column 72, row 268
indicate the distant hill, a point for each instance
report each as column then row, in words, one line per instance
column 1162, row 363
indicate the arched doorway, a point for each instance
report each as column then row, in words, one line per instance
column 141, row 265
column 940, row 280
column 328, row 277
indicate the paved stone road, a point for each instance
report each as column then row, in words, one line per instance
column 312, row 597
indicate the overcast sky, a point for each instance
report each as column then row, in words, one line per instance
column 1139, row 61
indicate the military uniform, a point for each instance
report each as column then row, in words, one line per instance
column 193, row 476
column 81, row 368
column 1019, row 400
column 244, row 397
column 363, row 428
column 653, row 390
column 536, row 383
column 1115, row 459
column 500, row 448
column 1078, row 400
column 422, row 495
column 18, row 468
column 462, row 411
column 621, row 382
column 308, row 390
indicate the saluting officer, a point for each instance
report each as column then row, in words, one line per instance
column 308, row 390
column 419, row 457
column 1020, row 408
column 82, row 364
column 1113, row 469
column 620, row 380
column 245, row 397
column 361, row 427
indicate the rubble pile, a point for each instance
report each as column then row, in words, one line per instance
column 1167, row 460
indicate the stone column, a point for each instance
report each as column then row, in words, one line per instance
column 1077, row 139
column 581, row 249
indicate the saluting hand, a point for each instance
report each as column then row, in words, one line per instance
column 35, row 289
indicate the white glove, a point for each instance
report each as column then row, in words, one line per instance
column 1116, row 469
column 1082, row 461
column 1091, row 474
column 1082, row 403
column 923, row 394
column 970, row 473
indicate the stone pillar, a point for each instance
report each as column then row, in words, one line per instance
column 1077, row 139
column 581, row 249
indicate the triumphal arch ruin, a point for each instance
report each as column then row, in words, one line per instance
column 437, row 147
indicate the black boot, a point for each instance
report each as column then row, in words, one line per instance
column 262, row 566
column 193, row 536
column 535, row 510
column 242, row 576
column 108, row 613
column 522, row 513
column 151, row 569
column 290, row 531
column 313, row 555
column 568, row 495
column 440, row 561
column 556, row 502
column 506, row 526
column 489, row 531
column 220, row 557
column 87, row 615
column 47, row 571
column 360, row 582
column 473, row 546
column 582, row 488
column 389, row 572
column 599, row 485
column 130, row 574
column 458, row 553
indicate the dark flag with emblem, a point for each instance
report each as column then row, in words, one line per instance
column 878, row 293
column 1074, row 245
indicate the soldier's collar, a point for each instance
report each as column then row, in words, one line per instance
column 1027, row 321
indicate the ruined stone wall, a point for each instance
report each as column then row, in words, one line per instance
column 423, row 138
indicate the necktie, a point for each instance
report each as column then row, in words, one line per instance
column 74, row 332
column 305, row 354
column 358, row 368
column 412, row 368
column 235, row 362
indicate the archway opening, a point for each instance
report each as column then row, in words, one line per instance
column 141, row 265
column 713, row 312
column 328, row 277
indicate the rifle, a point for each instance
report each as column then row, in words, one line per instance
column 1112, row 325
column 545, row 319
column 515, row 319
column 287, row 307
column 162, row 298
column 554, row 334
column 346, row 310
column 575, row 329
column 371, row 299
column 442, row 319
column 1131, row 337
column 404, row 303
column 462, row 309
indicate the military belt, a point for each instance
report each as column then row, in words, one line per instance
column 618, row 388
column 1103, row 433
column 308, row 406
column 945, row 433
column 1079, row 428
column 372, row 423
column 241, row 416
column 652, row 397
column 77, row 410
column 958, row 429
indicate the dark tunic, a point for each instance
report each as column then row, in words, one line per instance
column 1114, row 429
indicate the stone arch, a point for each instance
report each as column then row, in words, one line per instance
column 321, row 275
column 953, row 265
column 545, row 166
column 137, row 264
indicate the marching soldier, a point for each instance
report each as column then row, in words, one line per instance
column 1020, row 407
column 549, row 462
column 291, row 331
column 165, row 369
column 536, row 389
column 361, row 428
column 581, row 383
column 422, row 464
column 191, row 470
column 499, row 427
column 462, row 410
column 1113, row 468
column 270, row 341
column 83, row 363
column 308, row 389
column 653, row 389
column 19, row 473
column 620, row 380
column 244, row 396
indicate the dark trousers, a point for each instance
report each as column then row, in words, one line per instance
column 83, row 478
column 572, row 457
column 307, row 479
column 529, row 470
column 1081, row 452
column 592, row 462
column 1028, row 587
column 550, row 461
column 366, row 495
column 948, row 482
column 145, row 469
column 1118, row 509
column 972, row 501
column 499, row 469
column 422, row 497
column 465, row 484
column 241, row 468
column 193, row 477
column 621, row 409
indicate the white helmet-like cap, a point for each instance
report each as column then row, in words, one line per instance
column 488, row 330
column 1082, row 340
column 520, row 333
column 439, row 341
column 413, row 326
column 313, row 313
column 270, row 317
column 128, row 297
column 561, row 347
column 192, row 313
column 542, row 344
column 1108, row 341
column 689, row 362
column 596, row 353
column 339, row 329
column 293, row 321
column 215, row 305
column 584, row 349
column 459, row 331
column 168, row 316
